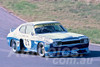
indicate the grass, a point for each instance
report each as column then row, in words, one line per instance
column 77, row 16
column 93, row 34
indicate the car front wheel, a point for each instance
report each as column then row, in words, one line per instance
column 41, row 50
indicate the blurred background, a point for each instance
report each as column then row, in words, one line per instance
column 79, row 16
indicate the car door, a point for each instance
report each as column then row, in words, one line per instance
column 29, row 37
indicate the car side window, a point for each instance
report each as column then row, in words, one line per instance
column 22, row 29
column 29, row 29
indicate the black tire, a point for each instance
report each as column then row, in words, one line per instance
column 13, row 45
column 41, row 50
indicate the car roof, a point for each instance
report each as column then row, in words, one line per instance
column 40, row 22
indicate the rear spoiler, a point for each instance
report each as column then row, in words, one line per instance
column 12, row 29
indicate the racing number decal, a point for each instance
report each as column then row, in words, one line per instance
column 27, row 43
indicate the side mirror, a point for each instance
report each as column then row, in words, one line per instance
column 32, row 33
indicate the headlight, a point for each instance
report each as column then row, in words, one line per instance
column 85, row 40
column 57, row 43
column 54, row 43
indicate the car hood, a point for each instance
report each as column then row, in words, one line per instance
column 61, row 35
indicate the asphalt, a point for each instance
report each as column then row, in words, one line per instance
column 10, row 59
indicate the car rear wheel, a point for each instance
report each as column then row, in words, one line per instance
column 13, row 45
column 41, row 50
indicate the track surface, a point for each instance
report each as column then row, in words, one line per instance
column 10, row 59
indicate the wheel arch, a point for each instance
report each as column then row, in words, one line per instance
column 21, row 44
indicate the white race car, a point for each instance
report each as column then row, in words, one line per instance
column 47, row 38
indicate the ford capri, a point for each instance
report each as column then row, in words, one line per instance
column 47, row 38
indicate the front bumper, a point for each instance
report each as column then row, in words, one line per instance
column 58, row 51
column 67, row 53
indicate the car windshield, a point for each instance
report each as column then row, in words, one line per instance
column 49, row 28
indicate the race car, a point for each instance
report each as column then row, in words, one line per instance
column 47, row 38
